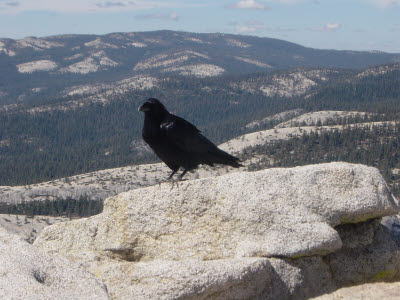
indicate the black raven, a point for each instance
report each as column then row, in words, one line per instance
column 179, row 143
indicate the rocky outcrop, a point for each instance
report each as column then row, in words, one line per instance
column 277, row 233
column 368, row 254
column 27, row 273
column 382, row 290
column 99, row 185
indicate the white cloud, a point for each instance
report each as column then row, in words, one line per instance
column 244, row 29
column 285, row 1
column 291, row 1
column 73, row 6
column 257, row 4
column 384, row 3
column 283, row 29
column 248, row 4
column 12, row 3
column 108, row 4
column 332, row 26
column 327, row 27
column 171, row 16
column 250, row 27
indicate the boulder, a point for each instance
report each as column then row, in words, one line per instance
column 236, row 278
column 369, row 254
column 381, row 290
column 275, row 212
column 276, row 233
column 27, row 273
column 187, row 279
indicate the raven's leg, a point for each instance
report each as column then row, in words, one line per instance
column 183, row 174
column 179, row 179
column 172, row 174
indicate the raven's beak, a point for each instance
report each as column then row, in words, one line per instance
column 144, row 108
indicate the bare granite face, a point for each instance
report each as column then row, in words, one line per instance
column 322, row 117
column 260, row 235
column 28, row 273
column 240, row 143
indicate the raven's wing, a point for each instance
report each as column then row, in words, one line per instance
column 188, row 138
column 185, row 135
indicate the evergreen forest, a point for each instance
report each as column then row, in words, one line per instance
column 68, row 207
column 39, row 145
column 378, row 146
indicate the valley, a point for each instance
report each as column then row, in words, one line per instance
column 69, row 126
column 99, row 185
column 84, row 199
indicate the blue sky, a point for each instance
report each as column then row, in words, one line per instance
column 324, row 24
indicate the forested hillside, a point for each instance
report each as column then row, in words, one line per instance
column 378, row 147
column 52, row 139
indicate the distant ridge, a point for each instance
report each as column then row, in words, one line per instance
column 42, row 67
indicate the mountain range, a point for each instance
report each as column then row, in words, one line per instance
column 70, row 138
column 33, row 68
column 56, row 123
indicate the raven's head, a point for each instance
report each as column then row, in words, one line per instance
column 153, row 107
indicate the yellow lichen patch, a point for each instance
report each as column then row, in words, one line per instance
column 353, row 221
column 97, row 274
column 383, row 274
column 298, row 256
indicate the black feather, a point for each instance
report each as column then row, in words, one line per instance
column 179, row 143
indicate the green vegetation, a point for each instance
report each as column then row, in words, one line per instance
column 45, row 145
column 382, row 274
column 378, row 147
column 46, row 137
column 83, row 207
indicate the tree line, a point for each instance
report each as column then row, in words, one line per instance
column 46, row 145
column 378, row 147
column 68, row 207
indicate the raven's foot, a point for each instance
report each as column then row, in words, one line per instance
column 176, row 182
column 169, row 178
column 173, row 183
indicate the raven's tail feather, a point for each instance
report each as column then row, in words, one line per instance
column 221, row 157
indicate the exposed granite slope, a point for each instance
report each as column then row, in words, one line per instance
column 261, row 235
